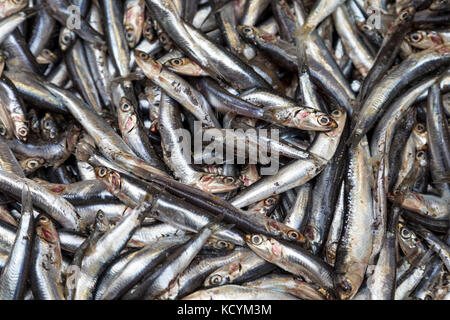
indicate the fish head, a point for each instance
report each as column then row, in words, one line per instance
column 30, row 165
column 127, row 115
column 150, row 67
column 438, row 5
column 266, row 247
column 9, row 7
column 46, row 230
column 347, row 284
column 248, row 32
column 110, row 178
column 420, row 136
column 424, row 39
column 66, row 39
column 249, row 175
column 219, row 277
column 219, row 244
column 101, row 221
column 217, row 184
column 130, row 35
column 266, row 206
column 165, row 41
column 185, row 66
column 147, row 30
column 405, row 16
column 21, row 131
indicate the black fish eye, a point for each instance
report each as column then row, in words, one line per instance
column 420, row 155
column 125, row 106
column 143, row 55
column 102, row 172
column 324, row 120
column 23, row 131
column 293, row 235
column 367, row 27
column 336, row 113
column 404, row 15
column 416, row 37
column 420, row 127
column 32, row 164
column 222, row 244
column 405, row 233
column 256, row 239
column 229, row 180
column 176, row 61
column 247, row 30
column 216, row 279
column 2, row 130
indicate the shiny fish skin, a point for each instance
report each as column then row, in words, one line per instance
column 46, row 269
column 352, row 256
column 61, row 210
column 15, row 272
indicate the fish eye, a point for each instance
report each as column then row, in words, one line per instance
column 23, row 132
column 102, row 172
column 294, row 235
column 257, row 240
column 367, row 27
column 228, row 180
column 130, row 35
column 420, row 155
column 125, row 105
column 216, row 279
column 176, row 62
column 247, row 30
column 43, row 219
column 66, row 39
column 2, row 130
column 420, row 127
column 32, row 164
column 336, row 113
column 269, row 201
column 324, row 120
column 100, row 214
column 47, row 125
column 163, row 38
column 405, row 233
column 143, row 56
column 415, row 37
column 222, row 244
column 405, row 15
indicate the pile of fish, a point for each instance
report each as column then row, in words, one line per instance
column 107, row 192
